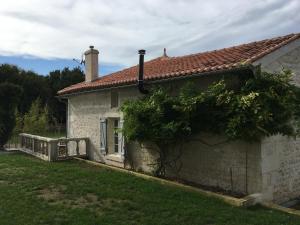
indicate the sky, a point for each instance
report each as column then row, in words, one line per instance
column 46, row 35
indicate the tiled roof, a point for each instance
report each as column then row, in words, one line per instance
column 168, row 67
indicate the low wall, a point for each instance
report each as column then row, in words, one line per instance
column 208, row 160
column 51, row 149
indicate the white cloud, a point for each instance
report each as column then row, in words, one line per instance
column 118, row 28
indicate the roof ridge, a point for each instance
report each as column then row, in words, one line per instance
column 238, row 45
column 210, row 51
column 293, row 37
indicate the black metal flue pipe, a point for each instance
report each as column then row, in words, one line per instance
column 141, row 73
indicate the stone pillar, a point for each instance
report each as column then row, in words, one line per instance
column 52, row 150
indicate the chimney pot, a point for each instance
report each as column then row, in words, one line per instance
column 142, row 52
column 165, row 53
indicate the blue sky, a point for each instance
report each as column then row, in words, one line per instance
column 46, row 35
column 44, row 66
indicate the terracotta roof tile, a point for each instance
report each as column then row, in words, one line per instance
column 165, row 67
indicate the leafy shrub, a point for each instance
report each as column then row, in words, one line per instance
column 264, row 104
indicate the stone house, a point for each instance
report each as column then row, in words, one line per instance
column 270, row 167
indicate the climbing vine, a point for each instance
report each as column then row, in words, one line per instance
column 262, row 105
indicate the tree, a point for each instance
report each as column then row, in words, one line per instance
column 36, row 121
column 33, row 85
column 19, row 123
column 58, row 80
column 9, row 98
column 43, row 87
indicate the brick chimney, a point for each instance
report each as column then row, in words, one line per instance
column 91, row 64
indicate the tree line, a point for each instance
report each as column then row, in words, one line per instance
column 27, row 97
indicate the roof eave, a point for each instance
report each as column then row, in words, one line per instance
column 244, row 66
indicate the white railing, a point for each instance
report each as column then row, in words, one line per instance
column 53, row 149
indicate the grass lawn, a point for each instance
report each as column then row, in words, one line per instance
column 71, row 192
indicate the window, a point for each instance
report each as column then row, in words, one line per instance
column 114, row 99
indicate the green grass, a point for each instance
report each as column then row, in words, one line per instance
column 71, row 192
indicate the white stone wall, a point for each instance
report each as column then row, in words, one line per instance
column 231, row 166
column 207, row 160
column 84, row 119
column 223, row 165
column 85, row 112
column 141, row 157
column 281, row 155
